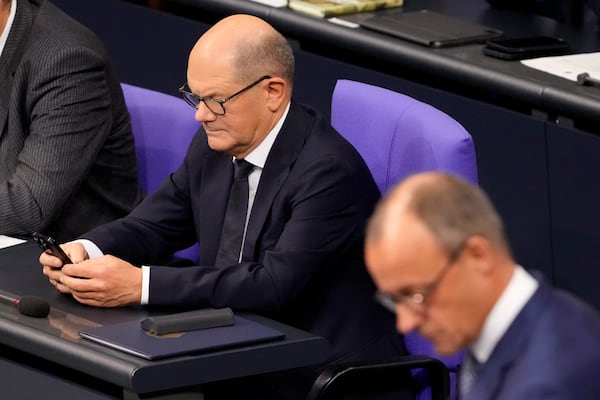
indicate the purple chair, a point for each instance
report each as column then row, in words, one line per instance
column 163, row 127
column 398, row 136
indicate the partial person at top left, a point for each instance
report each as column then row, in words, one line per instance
column 67, row 156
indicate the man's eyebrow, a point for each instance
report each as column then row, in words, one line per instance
column 402, row 292
column 407, row 290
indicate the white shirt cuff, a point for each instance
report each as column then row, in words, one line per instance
column 90, row 247
column 145, row 284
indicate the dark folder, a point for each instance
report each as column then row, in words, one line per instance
column 429, row 28
column 131, row 338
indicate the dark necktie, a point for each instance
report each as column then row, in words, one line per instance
column 468, row 374
column 235, row 215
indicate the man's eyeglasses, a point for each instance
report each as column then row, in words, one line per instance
column 417, row 302
column 216, row 106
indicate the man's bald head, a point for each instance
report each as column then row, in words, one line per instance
column 248, row 47
column 450, row 207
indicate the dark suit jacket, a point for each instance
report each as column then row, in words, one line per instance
column 303, row 254
column 67, row 156
column 550, row 352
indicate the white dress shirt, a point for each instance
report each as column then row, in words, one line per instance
column 9, row 22
column 517, row 293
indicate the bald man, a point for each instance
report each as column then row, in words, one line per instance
column 310, row 195
column 437, row 252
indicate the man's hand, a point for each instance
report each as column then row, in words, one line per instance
column 52, row 265
column 105, row 281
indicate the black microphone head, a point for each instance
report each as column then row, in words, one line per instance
column 583, row 78
column 33, row 307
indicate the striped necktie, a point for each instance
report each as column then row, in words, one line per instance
column 468, row 374
column 230, row 246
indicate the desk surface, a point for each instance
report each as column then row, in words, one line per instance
column 56, row 338
column 460, row 68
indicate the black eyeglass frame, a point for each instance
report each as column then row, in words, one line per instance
column 194, row 100
column 417, row 302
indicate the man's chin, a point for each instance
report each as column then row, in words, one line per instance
column 443, row 347
column 216, row 143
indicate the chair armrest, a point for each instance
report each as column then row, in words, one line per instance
column 381, row 374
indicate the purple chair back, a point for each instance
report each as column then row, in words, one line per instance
column 398, row 136
column 163, row 127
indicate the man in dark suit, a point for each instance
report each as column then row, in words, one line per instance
column 67, row 156
column 437, row 252
column 310, row 194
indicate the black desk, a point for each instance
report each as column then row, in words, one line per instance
column 45, row 356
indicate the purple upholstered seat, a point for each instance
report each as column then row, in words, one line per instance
column 163, row 127
column 398, row 136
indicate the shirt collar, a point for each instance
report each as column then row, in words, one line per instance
column 9, row 22
column 519, row 290
column 258, row 156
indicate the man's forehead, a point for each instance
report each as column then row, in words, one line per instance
column 400, row 225
column 408, row 241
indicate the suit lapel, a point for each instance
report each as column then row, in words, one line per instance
column 283, row 154
column 12, row 54
column 492, row 375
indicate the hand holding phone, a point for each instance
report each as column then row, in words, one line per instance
column 50, row 246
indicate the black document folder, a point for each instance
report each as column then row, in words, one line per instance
column 429, row 28
column 131, row 338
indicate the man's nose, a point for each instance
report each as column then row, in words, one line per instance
column 407, row 320
column 203, row 113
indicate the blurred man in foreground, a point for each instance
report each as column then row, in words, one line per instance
column 438, row 254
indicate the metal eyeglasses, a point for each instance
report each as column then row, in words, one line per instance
column 417, row 302
column 216, row 106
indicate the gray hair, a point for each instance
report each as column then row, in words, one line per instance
column 270, row 55
column 450, row 207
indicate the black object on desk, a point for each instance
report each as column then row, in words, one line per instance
column 525, row 47
column 27, row 305
column 50, row 245
column 188, row 321
column 584, row 79
column 430, row 28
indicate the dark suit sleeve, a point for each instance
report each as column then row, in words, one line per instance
column 68, row 104
column 160, row 225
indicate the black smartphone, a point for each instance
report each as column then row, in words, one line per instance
column 50, row 245
column 525, row 47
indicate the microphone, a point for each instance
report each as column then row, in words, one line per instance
column 27, row 305
column 584, row 79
